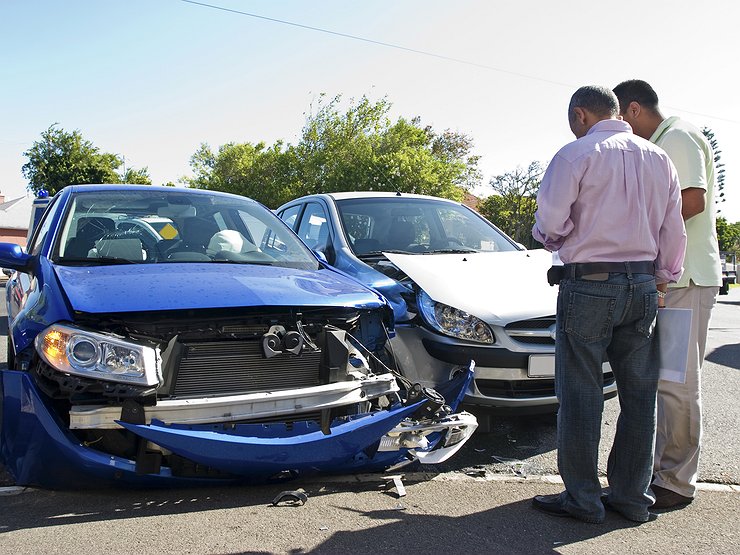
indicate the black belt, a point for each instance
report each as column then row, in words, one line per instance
column 577, row 270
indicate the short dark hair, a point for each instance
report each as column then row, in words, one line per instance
column 596, row 99
column 636, row 90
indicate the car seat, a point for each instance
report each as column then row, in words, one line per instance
column 400, row 235
column 196, row 234
column 89, row 230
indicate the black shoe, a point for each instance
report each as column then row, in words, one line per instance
column 609, row 507
column 552, row 505
column 667, row 499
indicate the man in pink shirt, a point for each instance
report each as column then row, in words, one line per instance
column 610, row 204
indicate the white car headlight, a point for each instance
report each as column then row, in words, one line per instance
column 452, row 321
column 98, row 356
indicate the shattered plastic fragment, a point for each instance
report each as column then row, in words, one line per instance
column 290, row 499
column 398, row 484
column 517, row 467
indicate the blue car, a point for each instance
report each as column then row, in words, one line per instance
column 162, row 336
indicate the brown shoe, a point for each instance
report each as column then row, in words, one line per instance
column 667, row 499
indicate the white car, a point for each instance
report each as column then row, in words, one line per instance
column 460, row 288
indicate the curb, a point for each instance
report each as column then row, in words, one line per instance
column 417, row 477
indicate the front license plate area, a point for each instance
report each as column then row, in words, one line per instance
column 541, row 366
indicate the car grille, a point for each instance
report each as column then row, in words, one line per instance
column 524, row 389
column 532, row 332
column 234, row 367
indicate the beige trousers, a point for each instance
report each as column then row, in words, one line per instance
column 679, row 426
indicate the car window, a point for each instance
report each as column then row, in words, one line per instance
column 314, row 227
column 417, row 225
column 104, row 227
column 39, row 237
column 290, row 215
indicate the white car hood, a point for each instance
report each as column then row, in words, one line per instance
column 497, row 287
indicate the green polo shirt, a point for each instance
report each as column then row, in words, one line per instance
column 692, row 155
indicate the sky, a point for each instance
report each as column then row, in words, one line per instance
column 151, row 80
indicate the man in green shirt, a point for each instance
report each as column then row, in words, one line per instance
column 679, row 426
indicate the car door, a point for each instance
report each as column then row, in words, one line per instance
column 313, row 229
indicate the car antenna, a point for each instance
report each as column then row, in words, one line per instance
column 373, row 167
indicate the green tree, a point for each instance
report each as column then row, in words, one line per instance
column 728, row 235
column 61, row 158
column 132, row 175
column 514, row 202
column 357, row 149
column 64, row 158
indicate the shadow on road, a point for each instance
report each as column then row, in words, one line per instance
column 513, row 528
column 726, row 355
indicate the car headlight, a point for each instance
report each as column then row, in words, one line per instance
column 98, row 356
column 452, row 321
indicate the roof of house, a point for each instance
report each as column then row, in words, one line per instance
column 471, row 201
column 16, row 213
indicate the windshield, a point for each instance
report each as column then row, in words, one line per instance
column 417, row 225
column 153, row 227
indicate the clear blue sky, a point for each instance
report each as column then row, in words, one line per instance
column 152, row 79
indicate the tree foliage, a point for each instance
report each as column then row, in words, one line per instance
column 514, row 202
column 728, row 235
column 64, row 158
column 359, row 149
column 133, row 175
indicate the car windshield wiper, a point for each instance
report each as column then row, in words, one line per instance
column 116, row 260
column 255, row 262
column 458, row 250
column 98, row 261
column 380, row 253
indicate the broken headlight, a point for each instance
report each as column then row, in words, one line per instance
column 452, row 321
column 94, row 355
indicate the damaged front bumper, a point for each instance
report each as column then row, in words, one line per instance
column 40, row 449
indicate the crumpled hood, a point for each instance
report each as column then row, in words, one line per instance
column 152, row 287
column 498, row 287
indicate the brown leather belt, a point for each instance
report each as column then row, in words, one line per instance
column 577, row 270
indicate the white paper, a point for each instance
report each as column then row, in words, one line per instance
column 674, row 330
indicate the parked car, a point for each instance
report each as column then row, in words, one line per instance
column 729, row 271
column 162, row 336
column 460, row 288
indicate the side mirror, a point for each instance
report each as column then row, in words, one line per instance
column 12, row 257
column 321, row 256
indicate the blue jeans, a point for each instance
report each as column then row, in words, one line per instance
column 612, row 319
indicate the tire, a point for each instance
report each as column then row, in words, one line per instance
column 725, row 289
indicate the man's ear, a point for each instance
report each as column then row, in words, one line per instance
column 634, row 109
column 580, row 115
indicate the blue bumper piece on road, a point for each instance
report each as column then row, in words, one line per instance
column 38, row 449
column 269, row 449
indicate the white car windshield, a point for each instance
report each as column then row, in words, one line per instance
column 152, row 227
column 417, row 225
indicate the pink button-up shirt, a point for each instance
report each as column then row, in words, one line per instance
column 612, row 196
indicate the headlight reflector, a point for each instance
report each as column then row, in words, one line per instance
column 452, row 321
column 83, row 351
column 98, row 356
